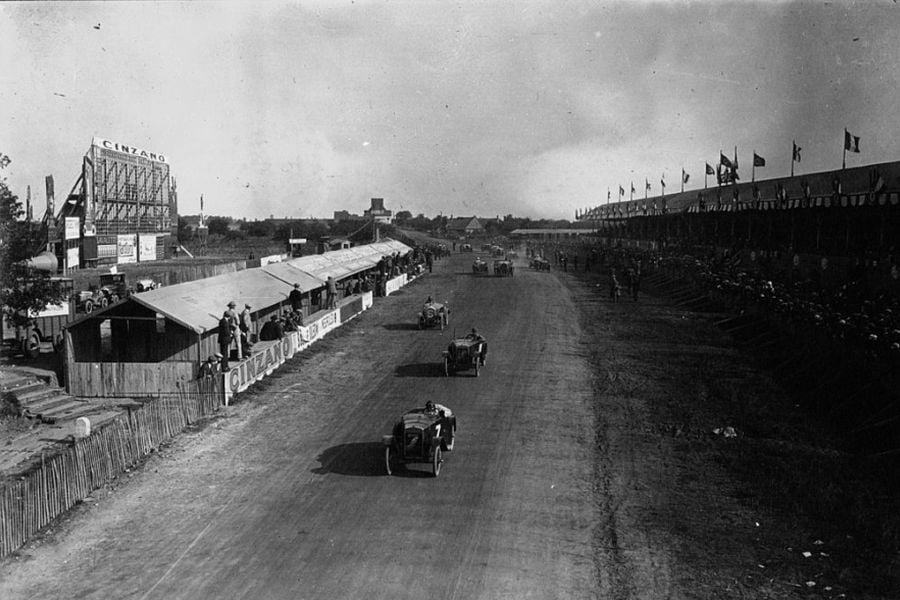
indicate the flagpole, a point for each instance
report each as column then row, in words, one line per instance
column 753, row 168
column 682, row 179
column 793, row 145
column 844, row 160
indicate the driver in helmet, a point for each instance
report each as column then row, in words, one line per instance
column 436, row 409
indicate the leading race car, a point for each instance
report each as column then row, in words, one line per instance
column 479, row 266
column 420, row 436
column 434, row 314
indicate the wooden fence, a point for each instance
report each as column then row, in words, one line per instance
column 34, row 499
column 127, row 380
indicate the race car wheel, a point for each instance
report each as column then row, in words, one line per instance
column 446, row 367
column 441, row 319
column 104, row 302
column 89, row 306
column 388, row 459
column 114, row 298
column 58, row 343
column 476, row 367
column 436, row 461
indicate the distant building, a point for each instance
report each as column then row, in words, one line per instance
column 343, row 216
column 328, row 243
column 378, row 212
column 465, row 226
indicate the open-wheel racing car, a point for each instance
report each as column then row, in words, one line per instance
column 479, row 266
column 465, row 353
column 504, row 268
column 420, row 436
column 540, row 264
column 434, row 314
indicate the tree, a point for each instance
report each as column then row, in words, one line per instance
column 23, row 290
column 402, row 217
column 259, row 228
column 218, row 225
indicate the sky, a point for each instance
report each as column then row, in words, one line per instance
column 535, row 108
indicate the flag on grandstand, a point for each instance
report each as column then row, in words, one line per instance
column 758, row 161
column 647, row 184
column 851, row 142
column 710, row 170
column 621, row 191
column 796, row 153
column 685, row 176
column 735, row 165
column 724, row 161
column 201, row 202
column 632, row 187
column 662, row 182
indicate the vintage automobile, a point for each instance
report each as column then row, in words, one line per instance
column 420, row 436
column 479, row 265
column 540, row 264
column 498, row 251
column 465, row 353
column 434, row 314
column 87, row 300
column 466, row 248
column 503, row 268
column 113, row 287
column 145, row 285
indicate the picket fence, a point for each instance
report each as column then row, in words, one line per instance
column 32, row 501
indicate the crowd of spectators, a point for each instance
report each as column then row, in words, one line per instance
column 853, row 303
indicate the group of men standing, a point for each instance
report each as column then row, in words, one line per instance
column 234, row 327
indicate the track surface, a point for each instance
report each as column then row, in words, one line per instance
column 287, row 497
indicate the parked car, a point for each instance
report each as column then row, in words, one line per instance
column 113, row 287
column 88, row 300
column 144, row 285
column 420, row 436
column 479, row 266
column 434, row 314
column 466, row 248
column 503, row 268
column 463, row 354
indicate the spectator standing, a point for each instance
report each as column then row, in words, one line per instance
column 614, row 289
column 245, row 324
column 331, row 292
column 296, row 298
column 226, row 336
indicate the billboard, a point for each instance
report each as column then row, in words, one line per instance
column 147, row 247
column 127, row 252
column 73, row 228
column 127, row 189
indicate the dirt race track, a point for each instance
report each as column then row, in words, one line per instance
column 585, row 467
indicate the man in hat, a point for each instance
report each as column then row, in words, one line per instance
column 226, row 336
column 245, row 324
column 211, row 366
column 331, row 292
column 296, row 298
